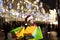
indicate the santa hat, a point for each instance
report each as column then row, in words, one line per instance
column 29, row 17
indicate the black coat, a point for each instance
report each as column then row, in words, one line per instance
column 6, row 27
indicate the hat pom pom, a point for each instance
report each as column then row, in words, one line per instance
column 25, row 23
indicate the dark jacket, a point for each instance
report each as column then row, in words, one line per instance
column 6, row 27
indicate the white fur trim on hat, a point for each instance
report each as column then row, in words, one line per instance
column 25, row 23
column 31, row 17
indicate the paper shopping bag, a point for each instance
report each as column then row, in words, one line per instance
column 39, row 34
column 20, row 34
column 14, row 31
column 34, row 34
column 29, row 31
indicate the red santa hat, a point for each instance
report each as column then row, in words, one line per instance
column 29, row 17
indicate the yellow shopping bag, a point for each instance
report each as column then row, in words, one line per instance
column 29, row 31
column 20, row 34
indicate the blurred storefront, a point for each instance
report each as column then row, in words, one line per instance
column 21, row 8
column 17, row 10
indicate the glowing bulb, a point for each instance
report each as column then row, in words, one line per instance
column 35, row 2
column 7, row 7
column 13, row 13
column 29, row 9
column 17, row 13
column 4, row 1
column 22, row 8
column 41, row 4
column 20, row 1
column 18, row 7
column 18, row 4
column 12, row 1
column 24, row 2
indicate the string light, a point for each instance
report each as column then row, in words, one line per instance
column 12, row 1
column 18, row 7
column 20, row 1
column 16, row 13
column 24, row 2
column 4, row 1
column 6, row 8
column 22, row 8
column 35, row 2
column 33, row 5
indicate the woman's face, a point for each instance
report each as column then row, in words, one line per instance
column 32, row 21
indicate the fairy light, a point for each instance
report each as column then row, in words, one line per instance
column 13, row 12
column 12, row 1
column 41, row 4
column 31, row 4
column 53, row 14
column 35, row 2
column 20, row 1
column 22, row 8
column 18, row 7
column 18, row 4
column 4, row 1
column 6, row 8
column 17, row 13
column 29, row 10
column 24, row 2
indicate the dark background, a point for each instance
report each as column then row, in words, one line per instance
column 52, row 3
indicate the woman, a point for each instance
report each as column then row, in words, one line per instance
column 30, row 21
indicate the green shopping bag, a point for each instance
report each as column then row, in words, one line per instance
column 20, row 34
column 14, row 31
column 39, row 34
